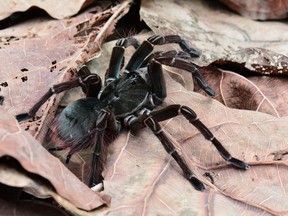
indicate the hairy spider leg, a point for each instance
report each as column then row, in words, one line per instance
column 157, row 80
column 176, row 109
column 117, row 57
column 170, row 53
column 151, row 120
column 187, row 66
column 100, row 149
column 106, row 121
column 160, row 40
column 90, row 83
column 95, row 138
column 176, row 59
column 155, row 71
column 148, row 45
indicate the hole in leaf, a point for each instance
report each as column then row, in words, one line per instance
column 24, row 69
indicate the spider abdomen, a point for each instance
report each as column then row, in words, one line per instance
column 78, row 119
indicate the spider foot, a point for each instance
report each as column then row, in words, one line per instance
column 191, row 51
column 197, row 184
column 194, row 53
column 204, row 85
column 209, row 91
column 238, row 163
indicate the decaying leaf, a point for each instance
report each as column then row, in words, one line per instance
column 213, row 30
column 21, row 146
column 56, row 9
column 141, row 177
column 262, row 94
column 252, row 79
column 255, row 60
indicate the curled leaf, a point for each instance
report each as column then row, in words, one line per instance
column 251, row 79
column 255, row 60
column 56, row 9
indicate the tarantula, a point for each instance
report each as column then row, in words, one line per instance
column 129, row 100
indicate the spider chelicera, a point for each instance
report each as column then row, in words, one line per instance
column 129, row 100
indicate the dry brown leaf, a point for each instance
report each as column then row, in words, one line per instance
column 56, row 9
column 143, row 180
column 255, row 61
column 21, row 146
column 215, row 31
column 262, row 94
column 241, row 84
column 42, row 26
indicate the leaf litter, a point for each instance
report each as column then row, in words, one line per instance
column 143, row 180
column 41, row 62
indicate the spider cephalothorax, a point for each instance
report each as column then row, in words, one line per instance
column 129, row 100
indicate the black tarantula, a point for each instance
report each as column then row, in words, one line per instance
column 129, row 100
